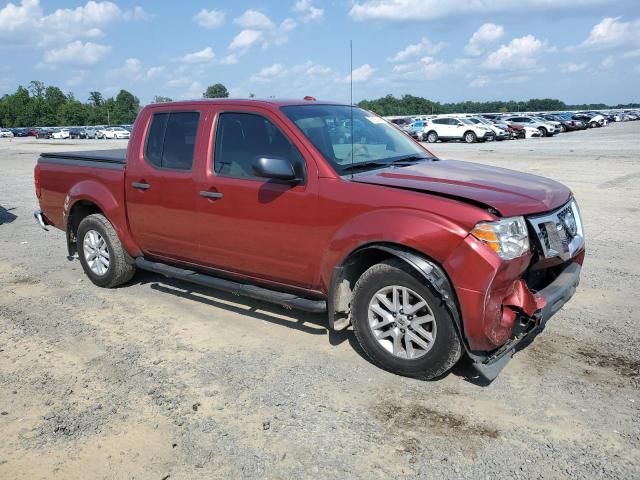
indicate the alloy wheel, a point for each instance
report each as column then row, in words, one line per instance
column 402, row 322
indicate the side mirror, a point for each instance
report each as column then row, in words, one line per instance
column 275, row 168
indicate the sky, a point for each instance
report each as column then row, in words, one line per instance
column 579, row 51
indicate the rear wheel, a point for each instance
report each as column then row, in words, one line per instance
column 432, row 137
column 470, row 137
column 402, row 324
column 101, row 254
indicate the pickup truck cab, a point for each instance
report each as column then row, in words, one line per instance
column 427, row 259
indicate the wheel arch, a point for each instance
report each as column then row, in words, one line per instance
column 347, row 272
column 89, row 197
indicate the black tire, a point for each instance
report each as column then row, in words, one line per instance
column 432, row 137
column 470, row 137
column 120, row 269
column 446, row 349
column 544, row 131
column 563, row 128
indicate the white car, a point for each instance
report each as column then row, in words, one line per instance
column 501, row 133
column 448, row 128
column 118, row 133
column 4, row 133
column 61, row 134
column 530, row 132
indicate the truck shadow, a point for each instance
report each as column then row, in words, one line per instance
column 311, row 323
column 6, row 216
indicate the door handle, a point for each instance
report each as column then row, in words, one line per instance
column 211, row 195
column 141, row 186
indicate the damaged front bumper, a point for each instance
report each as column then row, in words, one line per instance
column 552, row 298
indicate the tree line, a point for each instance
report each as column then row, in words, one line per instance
column 412, row 105
column 39, row 105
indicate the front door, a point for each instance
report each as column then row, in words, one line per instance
column 255, row 226
column 161, row 189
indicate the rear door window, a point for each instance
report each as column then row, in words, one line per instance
column 171, row 140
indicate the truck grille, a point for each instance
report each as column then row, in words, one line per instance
column 560, row 232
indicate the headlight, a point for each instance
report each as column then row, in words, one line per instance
column 507, row 237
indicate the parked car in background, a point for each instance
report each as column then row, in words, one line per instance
column 100, row 131
column 6, row 133
column 449, row 128
column 19, row 132
column 417, row 130
column 61, row 134
column 90, row 132
column 118, row 133
column 501, row 133
column 77, row 133
column 44, row 132
column 32, row 132
column 592, row 119
column 516, row 131
column 547, row 129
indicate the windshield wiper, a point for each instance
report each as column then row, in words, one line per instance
column 410, row 159
column 364, row 166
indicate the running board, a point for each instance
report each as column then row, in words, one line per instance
column 287, row 300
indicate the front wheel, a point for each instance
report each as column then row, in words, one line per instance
column 402, row 324
column 470, row 137
column 101, row 254
column 543, row 131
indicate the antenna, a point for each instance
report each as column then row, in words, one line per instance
column 351, row 99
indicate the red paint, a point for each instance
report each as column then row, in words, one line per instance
column 293, row 237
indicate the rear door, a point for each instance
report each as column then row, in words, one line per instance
column 161, row 191
column 254, row 226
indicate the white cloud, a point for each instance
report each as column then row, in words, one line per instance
column 485, row 35
column 77, row 53
column 246, row 39
column 269, row 73
column 422, row 10
column 424, row 47
column 573, row 67
column 230, row 59
column 194, row 91
column 361, row 74
column 480, row 81
column 27, row 23
column 427, row 68
column 254, row 20
column 520, row 53
column 209, row 18
column 258, row 29
column 308, row 11
column 205, row 55
column 611, row 32
column 134, row 70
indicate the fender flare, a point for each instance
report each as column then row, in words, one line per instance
column 428, row 269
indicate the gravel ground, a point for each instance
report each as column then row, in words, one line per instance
column 163, row 380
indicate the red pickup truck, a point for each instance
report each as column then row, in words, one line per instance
column 326, row 208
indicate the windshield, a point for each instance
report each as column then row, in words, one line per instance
column 375, row 142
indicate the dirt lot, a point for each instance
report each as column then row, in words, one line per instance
column 163, row 380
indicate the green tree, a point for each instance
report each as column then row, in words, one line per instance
column 95, row 98
column 216, row 91
column 36, row 88
column 125, row 108
column 161, row 99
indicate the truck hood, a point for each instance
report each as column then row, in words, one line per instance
column 507, row 191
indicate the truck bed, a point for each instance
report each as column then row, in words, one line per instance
column 118, row 156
